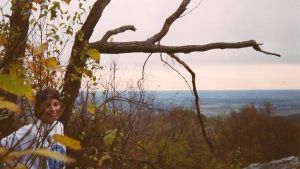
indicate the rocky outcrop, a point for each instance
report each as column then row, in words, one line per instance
column 285, row 163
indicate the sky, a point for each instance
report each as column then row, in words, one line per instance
column 276, row 24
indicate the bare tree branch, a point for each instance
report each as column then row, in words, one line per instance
column 257, row 48
column 146, row 47
column 116, row 31
column 197, row 104
column 157, row 37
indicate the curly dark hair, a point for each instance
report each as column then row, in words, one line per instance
column 42, row 96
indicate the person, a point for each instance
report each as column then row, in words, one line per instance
column 39, row 134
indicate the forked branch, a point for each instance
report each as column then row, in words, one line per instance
column 157, row 37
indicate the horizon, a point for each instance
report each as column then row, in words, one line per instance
column 232, row 90
column 206, row 90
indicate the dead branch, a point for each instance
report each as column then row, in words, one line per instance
column 157, row 37
column 116, row 31
column 197, row 104
column 146, row 47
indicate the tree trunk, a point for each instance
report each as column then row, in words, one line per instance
column 72, row 80
column 14, row 53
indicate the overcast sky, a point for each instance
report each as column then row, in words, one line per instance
column 275, row 23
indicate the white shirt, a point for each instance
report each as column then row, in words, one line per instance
column 33, row 136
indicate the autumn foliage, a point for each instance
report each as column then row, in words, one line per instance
column 145, row 138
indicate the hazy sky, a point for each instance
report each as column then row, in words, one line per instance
column 276, row 24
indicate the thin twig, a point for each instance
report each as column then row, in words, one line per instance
column 139, row 83
column 190, row 11
column 187, row 83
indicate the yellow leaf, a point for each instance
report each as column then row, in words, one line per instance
column 67, row 141
column 20, row 166
column 51, row 62
column 40, row 49
column 9, row 105
column 45, row 153
column 16, row 86
column 93, row 54
column 67, row 1
column 91, row 108
column 40, row 152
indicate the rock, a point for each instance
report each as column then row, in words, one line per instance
column 285, row 163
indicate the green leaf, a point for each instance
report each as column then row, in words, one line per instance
column 40, row 49
column 105, row 108
column 93, row 54
column 67, row 141
column 9, row 105
column 16, row 86
column 109, row 137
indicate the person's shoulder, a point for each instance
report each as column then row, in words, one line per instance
column 25, row 129
column 24, row 133
column 58, row 125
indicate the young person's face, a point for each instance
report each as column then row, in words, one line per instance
column 49, row 110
